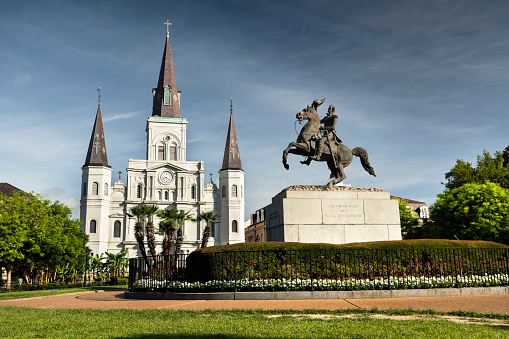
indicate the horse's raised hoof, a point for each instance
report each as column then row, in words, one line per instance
column 287, row 166
column 306, row 162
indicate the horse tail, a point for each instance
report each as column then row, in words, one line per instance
column 361, row 152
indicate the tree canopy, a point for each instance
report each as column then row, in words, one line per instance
column 37, row 234
column 472, row 212
column 492, row 168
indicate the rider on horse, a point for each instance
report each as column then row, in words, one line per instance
column 329, row 127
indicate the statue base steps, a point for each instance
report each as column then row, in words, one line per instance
column 334, row 215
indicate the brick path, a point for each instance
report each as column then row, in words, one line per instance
column 115, row 300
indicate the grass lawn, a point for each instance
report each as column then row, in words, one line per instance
column 42, row 293
column 61, row 323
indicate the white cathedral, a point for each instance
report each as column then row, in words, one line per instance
column 165, row 178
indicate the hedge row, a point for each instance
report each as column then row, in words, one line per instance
column 364, row 260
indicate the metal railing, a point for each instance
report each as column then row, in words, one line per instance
column 328, row 269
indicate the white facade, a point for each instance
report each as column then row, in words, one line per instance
column 167, row 180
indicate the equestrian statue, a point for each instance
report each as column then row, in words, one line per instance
column 321, row 143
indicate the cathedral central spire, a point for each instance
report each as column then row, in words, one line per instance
column 166, row 101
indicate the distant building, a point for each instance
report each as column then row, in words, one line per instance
column 420, row 208
column 255, row 228
column 8, row 189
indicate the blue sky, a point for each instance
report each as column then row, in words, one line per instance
column 418, row 84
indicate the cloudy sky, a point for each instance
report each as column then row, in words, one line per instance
column 418, row 84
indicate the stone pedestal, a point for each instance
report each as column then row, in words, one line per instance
column 334, row 215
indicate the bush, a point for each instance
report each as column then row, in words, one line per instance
column 360, row 261
column 122, row 281
column 473, row 211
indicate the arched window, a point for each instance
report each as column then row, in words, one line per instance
column 84, row 193
column 242, row 191
column 160, row 152
column 165, row 195
column 116, row 229
column 234, row 191
column 138, row 192
column 159, row 195
column 173, row 152
column 93, row 226
column 234, row 226
column 105, row 190
column 193, row 192
column 212, row 230
column 95, row 188
column 223, row 191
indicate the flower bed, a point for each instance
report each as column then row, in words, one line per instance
column 152, row 285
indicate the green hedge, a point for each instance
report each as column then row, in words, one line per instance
column 413, row 243
column 360, row 261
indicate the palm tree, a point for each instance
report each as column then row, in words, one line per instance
column 182, row 217
column 208, row 218
column 150, row 210
column 167, row 226
column 139, row 213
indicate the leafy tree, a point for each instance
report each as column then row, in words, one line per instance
column 472, row 212
column 505, row 157
column 13, row 231
column 408, row 220
column 208, row 218
column 37, row 235
column 492, row 168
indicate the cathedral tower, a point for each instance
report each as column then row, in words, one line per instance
column 95, row 188
column 231, row 190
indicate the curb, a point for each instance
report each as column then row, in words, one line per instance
column 302, row 295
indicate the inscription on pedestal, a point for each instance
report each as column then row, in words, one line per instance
column 342, row 211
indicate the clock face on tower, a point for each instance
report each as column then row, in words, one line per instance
column 165, row 177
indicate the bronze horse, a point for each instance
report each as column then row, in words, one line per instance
column 338, row 156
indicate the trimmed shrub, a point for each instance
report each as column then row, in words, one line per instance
column 360, row 261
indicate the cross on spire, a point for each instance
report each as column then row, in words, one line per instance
column 210, row 177
column 119, row 172
column 96, row 146
column 168, row 24
column 99, row 90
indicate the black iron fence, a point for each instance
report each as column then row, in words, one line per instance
column 329, row 269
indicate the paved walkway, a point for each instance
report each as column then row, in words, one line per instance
column 115, row 300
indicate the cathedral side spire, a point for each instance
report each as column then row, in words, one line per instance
column 231, row 159
column 96, row 154
column 166, row 101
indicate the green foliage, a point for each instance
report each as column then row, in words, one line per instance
column 292, row 246
column 473, row 211
column 492, row 168
column 351, row 261
column 36, row 235
column 408, row 220
column 167, row 227
column 116, row 264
